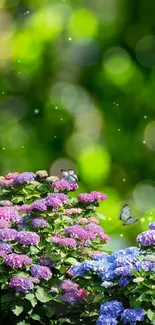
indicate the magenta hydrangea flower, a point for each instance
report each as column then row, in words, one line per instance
column 7, row 182
column 9, row 214
column 146, row 238
column 63, row 184
column 39, row 205
column 71, row 211
column 56, row 199
column 3, row 254
column 39, row 222
column 63, row 241
column 68, row 285
column 8, row 234
column 6, row 203
column 17, row 260
column 24, row 178
column 98, row 196
column 21, row 284
column 41, row 272
column 6, row 248
column 11, row 175
column 152, row 225
column 86, row 198
column 28, row 238
column 4, row 224
column 79, row 232
column 82, row 220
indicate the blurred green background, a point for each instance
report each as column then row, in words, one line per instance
column 77, row 90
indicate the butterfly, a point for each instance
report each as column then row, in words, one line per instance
column 125, row 216
column 70, row 175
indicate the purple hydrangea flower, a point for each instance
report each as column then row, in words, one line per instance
column 21, row 284
column 7, row 183
column 68, row 285
column 68, row 242
column 97, row 230
column 25, row 208
column 102, row 320
column 63, row 184
column 4, row 223
column 24, row 178
column 28, row 238
column 39, row 205
column 8, row 234
column 98, row 196
column 71, row 298
column 39, row 222
column 41, row 272
column 132, row 316
column 46, row 262
column 112, row 308
column 79, row 232
column 152, row 225
column 146, row 238
column 17, row 260
column 85, row 197
column 3, row 254
column 5, row 247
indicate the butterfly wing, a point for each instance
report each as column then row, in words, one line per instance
column 125, row 215
column 72, row 176
column 130, row 221
column 65, row 173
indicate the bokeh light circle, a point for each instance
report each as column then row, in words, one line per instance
column 149, row 136
column 144, row 195
column 145, row 51
column 83, row 23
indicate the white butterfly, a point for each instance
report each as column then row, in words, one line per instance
column 70, row 175
column 125, row 216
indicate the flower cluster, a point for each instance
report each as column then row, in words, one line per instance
column 5, row 247
column 27, row 238
column 17, row 260
column 63, row 241
column 39, row 222
column 41, row 272
column 147, row 238
column 9, row 214
column 24, row 178
column 72, row 295
column 63, row 184
column 113, row 310
column 91, row 197
column 21, row 284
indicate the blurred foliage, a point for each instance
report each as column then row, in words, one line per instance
column 77, row 90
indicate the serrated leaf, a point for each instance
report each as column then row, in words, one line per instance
column 42, row 295
column 17, row 310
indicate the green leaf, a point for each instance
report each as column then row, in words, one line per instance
column 18, row 199
column 29, row 296
column 34, row 250
column 150, row 314
column 99, row 297
column 6, row 298
column 35, row 316
column 50, row 312
column 42, row 295
column 17, row 310
column 71, row 260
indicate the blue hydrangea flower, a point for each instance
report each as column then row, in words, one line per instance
column 124, row 281
column 132, row 316
column 112, row 308
column 102, row 320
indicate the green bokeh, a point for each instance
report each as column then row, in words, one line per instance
column 77, row 83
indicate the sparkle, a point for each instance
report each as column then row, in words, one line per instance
column 124, row 179
column 121, row 235
column 144, row 141
column 114, row 103
column 61, row 119
column 109, row 218
column 19, row 72
column 36, row 111
column 3, row 92
column 3, row 148
column 22, row 147
column 19, row 61
column 145, row 116
column 142, row 219
column 119, row 129
column 70, row 39
column 150, row 212
column 27, row 12
column 150, row 218
column 117, row 104
column 56, row 107
column 55, row 136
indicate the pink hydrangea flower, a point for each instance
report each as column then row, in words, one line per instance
column 17, row 260
column 11, row 175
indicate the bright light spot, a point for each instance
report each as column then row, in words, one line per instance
column 144, row 194
column 83, row 24
column 124, row 179
column 145, row 116
column 117, row 104
column 109, row 218
column 70, row 39
column 149, row 135
column 150, row 218
column 114, row 103
column 3, row 148
column 121, row 235
column 119, row 129
column 142, row 219
column 22, row 147
column 19, row 61
column 3, row 92
column 56, row 107
column 36, row 111
column 144, row 141
column 19, row 72
column 61, row 163
column 61, row 119
column 55, row 136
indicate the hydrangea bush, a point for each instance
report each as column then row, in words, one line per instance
column 43, row 232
